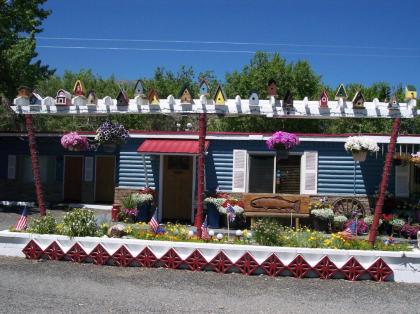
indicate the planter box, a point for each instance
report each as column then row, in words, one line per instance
column 223, row 258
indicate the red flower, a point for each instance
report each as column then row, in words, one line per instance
column 387, row 217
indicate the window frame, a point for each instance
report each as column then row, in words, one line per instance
column 248, row 167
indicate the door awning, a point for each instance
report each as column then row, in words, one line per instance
column 176, row 147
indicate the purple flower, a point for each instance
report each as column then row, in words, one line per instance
column 73, row 140
column 282, row 140
column 109, row 132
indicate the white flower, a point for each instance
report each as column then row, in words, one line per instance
column 361, row 143
column 323, row 213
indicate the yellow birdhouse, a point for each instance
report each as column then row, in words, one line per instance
column 186, row 96
column 153, row 97
column 410, row 92
column 219, row 97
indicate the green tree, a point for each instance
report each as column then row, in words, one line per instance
column 20, row 20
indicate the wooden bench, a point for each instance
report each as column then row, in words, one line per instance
column 276, row 205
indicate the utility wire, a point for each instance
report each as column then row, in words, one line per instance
column 230, row 51
column 224, row 43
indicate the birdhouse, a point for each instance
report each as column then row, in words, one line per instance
column 78, row 89
column 341, row 93
column 219, row 96
column 253, row 99
column 139, row 89
column 204, row 87
column 186, row 95
column 272, row 88
column 410, row 92
column 122, row 99
column 358, row 101
column 393, row 104
column 35, row 99
column 288, row 100
column 63, row 98
column 91, row 98
column 323, row 99
column 153, row 97
column 24, row 91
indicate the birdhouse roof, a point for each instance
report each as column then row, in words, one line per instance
column 219, row 87
column 411, row 88
column 183, row 88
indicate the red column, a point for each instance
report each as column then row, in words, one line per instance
column 202, row 124
column 35, row 164
column 384, row 181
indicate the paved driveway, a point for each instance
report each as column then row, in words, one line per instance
column 62, row 287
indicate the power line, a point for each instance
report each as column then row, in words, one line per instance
column 230, row 51
column 225, row 43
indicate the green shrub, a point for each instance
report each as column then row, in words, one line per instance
column 129, row 201
column 266, row 231
column 79, row 223
column 43, row 225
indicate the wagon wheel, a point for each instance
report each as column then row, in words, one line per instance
column 346, row 205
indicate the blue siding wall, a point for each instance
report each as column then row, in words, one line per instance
column 131, row 169
column 335, row 167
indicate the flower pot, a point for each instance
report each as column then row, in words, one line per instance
column 213, row 216
column 143, row 213
column 109, row 148
column 359, row 155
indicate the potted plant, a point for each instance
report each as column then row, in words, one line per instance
column 397, row 224
column 360, row 146
column 281, row 142
column 415, row 159
column 128, row 212
column 338, row 222
column 74, row 142
column 145, row 200
column 213, row 202
column 110, row 134
column 401, row 159
column 323, row 218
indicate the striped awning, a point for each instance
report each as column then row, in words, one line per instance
column 177, row 147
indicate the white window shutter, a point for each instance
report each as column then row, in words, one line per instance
column 11, row 167
column 239, row 170
column 309, row 173
column 88, row 169
column 402, row 181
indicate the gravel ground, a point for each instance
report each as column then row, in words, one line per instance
column 61, row 287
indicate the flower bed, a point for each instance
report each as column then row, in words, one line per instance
column 221, row 258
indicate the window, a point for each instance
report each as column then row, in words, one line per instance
column 288, row 175
column 47, row 168
column 415, row 181
column 261, row 174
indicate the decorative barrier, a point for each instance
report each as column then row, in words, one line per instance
column 222, row 258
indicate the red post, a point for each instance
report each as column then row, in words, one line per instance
column 202, row 125
column 35, row 164
column 384, row 181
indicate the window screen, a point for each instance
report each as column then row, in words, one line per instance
column 288, row 175
column 261, row 174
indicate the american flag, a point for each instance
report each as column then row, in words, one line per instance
column 153, row 223
column 22, row 223
column 230, row 211
column 205, row 230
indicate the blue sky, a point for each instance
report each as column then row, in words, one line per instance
column 361, row 41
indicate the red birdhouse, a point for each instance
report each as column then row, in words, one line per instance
column 323, row 100
column 272, row 88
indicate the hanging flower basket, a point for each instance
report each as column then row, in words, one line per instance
column 359, row 155
column 360, row 146
column 109, row 135
column 282, row 142
column 74, row 142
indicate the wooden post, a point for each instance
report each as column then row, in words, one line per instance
column 384, row 181
column 202, row 124
column 35, row 164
